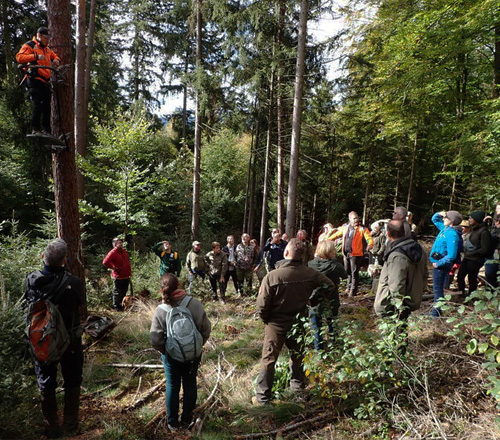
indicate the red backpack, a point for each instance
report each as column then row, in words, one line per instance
column 46, row 332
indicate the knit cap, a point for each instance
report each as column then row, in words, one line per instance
column 478, row 216
column 455, row 217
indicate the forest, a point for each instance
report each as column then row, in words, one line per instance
column 278, row 127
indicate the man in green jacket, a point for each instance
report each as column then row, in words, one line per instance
column 169, row 260
column 195, row 263
column 404, row 274
column 283, row 294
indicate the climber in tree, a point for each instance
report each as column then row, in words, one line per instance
column 38, row 53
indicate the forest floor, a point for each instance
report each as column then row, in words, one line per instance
column 123, row 391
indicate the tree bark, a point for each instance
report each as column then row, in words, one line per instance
column 195, row 222
column 368, row 188
column 80, row 113
column 496, row 63
column 7, row 39
column 291, row 211
column 184, row 102
column 412, row 172
column 265, row 191
column 63, row 162
column 281, row 119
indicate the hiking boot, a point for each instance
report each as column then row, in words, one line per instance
column 256, row 402
column 172, row 429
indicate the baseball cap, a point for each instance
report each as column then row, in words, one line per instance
column 43, row 31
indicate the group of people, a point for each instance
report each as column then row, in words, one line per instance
column 467, row 245
column 296, row 278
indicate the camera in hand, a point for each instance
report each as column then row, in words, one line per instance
column 436, row 256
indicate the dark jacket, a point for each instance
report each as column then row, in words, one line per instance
column 69, row 301
column 230, row 265
column 478, row 244
column 404, row 275
column 275, row 252
column 285, row 291
column 378, row 245
column 334, row 270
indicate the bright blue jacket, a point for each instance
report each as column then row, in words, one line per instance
column 448, row 243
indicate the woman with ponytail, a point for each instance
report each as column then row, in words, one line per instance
column 178, row 372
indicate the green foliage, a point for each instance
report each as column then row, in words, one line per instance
column 477, row 324
column 16, row 259
column 223, row 180
column 359, row 364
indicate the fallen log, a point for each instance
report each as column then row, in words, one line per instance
column 144, row 398
column 150, row 366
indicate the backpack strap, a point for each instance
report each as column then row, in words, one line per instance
column 185, row 301
column 166, row 307
column 58, row 291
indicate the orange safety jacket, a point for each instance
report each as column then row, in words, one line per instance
column 30, row 54
column 360, row 232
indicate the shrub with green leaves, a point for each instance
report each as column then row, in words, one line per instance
column 359, row 364
column 477, row 322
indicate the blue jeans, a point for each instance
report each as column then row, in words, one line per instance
column 192, row 275
column 316, row 324
column 439, row 278
column 175, row 374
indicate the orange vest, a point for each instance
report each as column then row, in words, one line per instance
column 360, row 232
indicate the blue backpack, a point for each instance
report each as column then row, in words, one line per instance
column 183, row 341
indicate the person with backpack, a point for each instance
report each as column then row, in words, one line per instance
column 118, row 261
column 477, row 247
column 54, row 332
column 404, row 274
column 178, row 331
column 445, row 251
column 38, row 53
column 325, row 261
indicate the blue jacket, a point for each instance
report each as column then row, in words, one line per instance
column 448, row 243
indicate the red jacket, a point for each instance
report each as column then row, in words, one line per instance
column 28, row 54
column 357, row 241
column 117, row 259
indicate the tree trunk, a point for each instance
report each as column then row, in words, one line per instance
column 184, row 102
column 412, row 172
column 281, row 120
column 195, row 222
column 249, row 178
column 291, row 209
column 251, row 207
column 496, row 63
column 7, row 39
column 368, row 188
column 80, row 105
column 63, row 163
column 265, row 191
